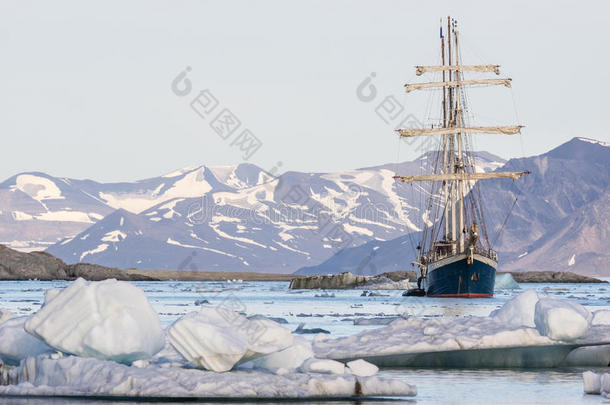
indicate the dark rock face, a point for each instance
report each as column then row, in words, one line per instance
column 553, row 277
column 348, row 280
column 330, row 282
column 15, row 265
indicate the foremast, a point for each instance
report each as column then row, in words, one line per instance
column 455, row 161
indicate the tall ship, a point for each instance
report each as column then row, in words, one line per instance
column 454, row 255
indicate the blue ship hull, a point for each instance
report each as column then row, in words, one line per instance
column 459, row 277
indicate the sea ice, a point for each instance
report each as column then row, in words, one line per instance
column 16, row 344
column 362, row 368
column 107, row 319
column 510, row 327
column 505, row 282
column 77, row 376
column 217, row 339
column 519, row 311
column 561, row 320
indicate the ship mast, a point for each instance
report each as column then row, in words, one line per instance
column 460, row 157
column 454, row 173
column 445, row 137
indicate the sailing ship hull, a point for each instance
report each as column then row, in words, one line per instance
column 457, row 276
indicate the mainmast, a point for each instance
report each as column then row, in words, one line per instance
column 445, row 137
column 460, row 157
column 454, row 174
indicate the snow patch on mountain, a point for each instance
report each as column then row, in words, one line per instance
column 39, row 188
column 98, row 249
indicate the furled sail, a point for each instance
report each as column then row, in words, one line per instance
column 462, row 176
column 453, row 83
column 420, row 70
column 506, row 130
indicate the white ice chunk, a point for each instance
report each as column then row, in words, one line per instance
column 16, row 344
column 217, row 338
column 601, row 317
column 107, row 319
column 561, row 320
column 591, row 382
column 505, row 282
column 362, row 368
column 324, row 366
column 290, row 358
column 519, row 311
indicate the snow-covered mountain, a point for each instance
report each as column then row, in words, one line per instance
column 560, row 221
column 240, row 218
column 37, row 210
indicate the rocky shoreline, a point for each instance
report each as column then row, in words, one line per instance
column 16, row 265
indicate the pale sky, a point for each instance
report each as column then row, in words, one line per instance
column 85, row 86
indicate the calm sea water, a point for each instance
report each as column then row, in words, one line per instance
column 338, row 310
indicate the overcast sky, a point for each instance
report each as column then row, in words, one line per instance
column 86, row 86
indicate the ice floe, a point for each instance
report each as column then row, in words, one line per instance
column 77, row 376
column 525, row 321
column 106, row 319
column 217, row 338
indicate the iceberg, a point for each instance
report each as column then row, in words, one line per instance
column 16, row 344
column 505, row 281
column 218, row 338
column 78, row 376
column 108, row 320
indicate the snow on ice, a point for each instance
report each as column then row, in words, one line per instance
column 107, row 320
